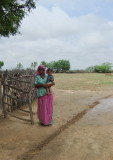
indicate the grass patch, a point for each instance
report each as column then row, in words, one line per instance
column 84, row 81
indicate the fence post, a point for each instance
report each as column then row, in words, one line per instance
column 30, row 101
column 0, row 93
column 3, row 97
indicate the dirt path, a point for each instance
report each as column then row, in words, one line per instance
column 19, row 140
column 91, row 138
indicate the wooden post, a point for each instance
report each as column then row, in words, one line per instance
column 30, row 108
column 3, row 97
column 0, row 93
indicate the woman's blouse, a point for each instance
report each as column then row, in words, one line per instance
column 38, row 80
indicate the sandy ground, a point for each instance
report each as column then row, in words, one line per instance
column 22, row 141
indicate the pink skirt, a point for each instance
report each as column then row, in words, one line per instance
column 45, row 109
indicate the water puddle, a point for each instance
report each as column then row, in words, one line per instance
column 101, row 114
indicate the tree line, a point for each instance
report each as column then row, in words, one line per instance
column 64, row 66
column 57, row 66
column 103, row 68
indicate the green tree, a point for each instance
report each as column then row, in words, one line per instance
column 12, row 13
column 48, row 65
column 19, row 66
column 57, row 65
column 1, row 64
column 51, row 65
column 44, row 63
column 104, row 68
column 34, row 65
column 62, row 65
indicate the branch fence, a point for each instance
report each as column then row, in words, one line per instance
column 16, row 90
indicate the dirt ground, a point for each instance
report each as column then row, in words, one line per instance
column 20, row 140
column 91, row 138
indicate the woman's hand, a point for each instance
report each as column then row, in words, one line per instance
column 46, row 85
column 51, row 84
column 41, row 85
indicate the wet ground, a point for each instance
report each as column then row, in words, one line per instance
column 90, row 138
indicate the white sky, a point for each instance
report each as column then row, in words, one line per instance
column 80, row 31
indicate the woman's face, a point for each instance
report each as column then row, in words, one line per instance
column 41, row 71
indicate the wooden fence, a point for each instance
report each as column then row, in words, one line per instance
column 17, row 90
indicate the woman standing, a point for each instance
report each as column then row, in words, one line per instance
column 45, row 102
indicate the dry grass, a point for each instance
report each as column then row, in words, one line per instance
column 84, row 81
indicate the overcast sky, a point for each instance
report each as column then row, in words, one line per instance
column 80, row 31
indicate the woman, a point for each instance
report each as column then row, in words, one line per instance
column 45, row 102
